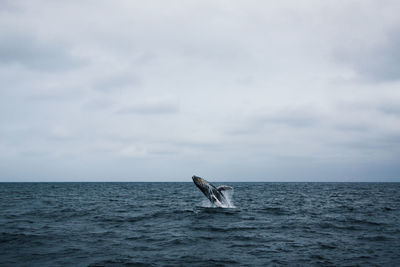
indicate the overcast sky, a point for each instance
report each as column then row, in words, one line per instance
column 227, row 90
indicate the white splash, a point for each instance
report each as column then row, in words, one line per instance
column 228, row 194
column 205, row 203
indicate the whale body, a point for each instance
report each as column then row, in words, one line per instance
column 214, row 194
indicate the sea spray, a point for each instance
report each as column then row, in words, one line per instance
column 228, row 194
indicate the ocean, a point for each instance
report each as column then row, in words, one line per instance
column 172, row 224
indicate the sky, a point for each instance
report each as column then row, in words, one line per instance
column 227, row 90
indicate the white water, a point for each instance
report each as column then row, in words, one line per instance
column 228, row 194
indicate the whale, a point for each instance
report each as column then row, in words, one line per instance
column 213, row 193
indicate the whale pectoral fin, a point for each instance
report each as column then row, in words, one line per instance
column 224, row 187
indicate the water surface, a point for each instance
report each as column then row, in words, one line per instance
column 159, row 224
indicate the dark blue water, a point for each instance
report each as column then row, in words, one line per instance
column 164, row 224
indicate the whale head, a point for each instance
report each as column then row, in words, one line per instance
column 210, row 191
column 202, row 184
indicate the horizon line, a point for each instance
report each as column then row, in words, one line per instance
column 191, row 182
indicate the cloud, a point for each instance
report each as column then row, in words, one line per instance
column 8, row 6
column 292, row 118
column 95, row 104
column 353, row 127
column 162, row 89
column 375, row 61
column 118, row 82
column 390, row 108
column 32, row 53
column 150, row 109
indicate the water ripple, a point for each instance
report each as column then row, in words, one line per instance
column 167, row 224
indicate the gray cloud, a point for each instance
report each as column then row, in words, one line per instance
column 353, row 127
column 372, row 144
column 96, row 104
column 303, row 117
column 377, row 61
column 8, row 6
column 150, row 109
column 118, row 82
column 390, row 108
column 163, row 89
column 28, row 51
column 291, row 118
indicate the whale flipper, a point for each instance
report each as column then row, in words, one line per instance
column 224, row 187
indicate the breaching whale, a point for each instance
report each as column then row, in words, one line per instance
column 214, row 194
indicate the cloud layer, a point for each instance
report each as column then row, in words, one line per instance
column 162, row 90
